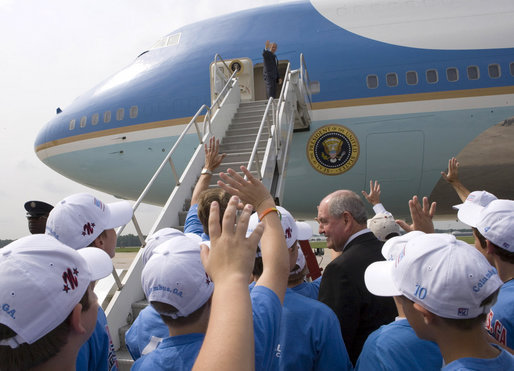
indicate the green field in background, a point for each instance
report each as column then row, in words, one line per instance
column 314, row 245
column 322, row 244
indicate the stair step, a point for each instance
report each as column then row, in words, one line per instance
column 231, row 149
column 244, row 123
column 215, row 178
column 137, row 307
column 242, row 130
column 244, row 138
column 244, row 145
column 125, row 361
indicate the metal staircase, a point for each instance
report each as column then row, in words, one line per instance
column 255, row 134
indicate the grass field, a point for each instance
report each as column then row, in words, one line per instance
column 127, row 249
column 322, row 244
column 314, row 244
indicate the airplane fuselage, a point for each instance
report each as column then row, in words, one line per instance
column 410, row 82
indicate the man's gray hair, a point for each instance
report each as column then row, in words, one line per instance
column 341, row 201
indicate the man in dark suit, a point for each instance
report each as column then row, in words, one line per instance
column 271, row 77
column 342, row 219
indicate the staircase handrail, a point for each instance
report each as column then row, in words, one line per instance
column 205, row 129
column 304, row 78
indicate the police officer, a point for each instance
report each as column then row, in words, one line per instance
column 37, row 213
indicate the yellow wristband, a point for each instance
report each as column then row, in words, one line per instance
column 267, row 211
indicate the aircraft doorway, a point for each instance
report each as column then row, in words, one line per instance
column 251, row 80
column 259, row 87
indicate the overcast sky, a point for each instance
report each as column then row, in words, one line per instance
column 53, row 51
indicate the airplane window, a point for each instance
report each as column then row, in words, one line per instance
column 72, row 124
column 173, row 39
column 83, row 121
column 120, row 113
column 432, row 77
column 167, row 41
column 512, row 69
column 372, row 81
column 452, row 74
column 107, row 116
column 494, row 71
column 411, row 77
column 473, row 73
column 94, row 119
column 133, row 112
column 392, row 79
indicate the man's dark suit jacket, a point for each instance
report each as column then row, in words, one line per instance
column 270, row 62
column 343, row 289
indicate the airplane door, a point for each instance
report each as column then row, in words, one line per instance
column 244, row 66
column 259, row 87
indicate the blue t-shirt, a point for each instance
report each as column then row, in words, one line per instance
column 193, row 224
column 308, row 289
column 310, row 337
column 267, row 312
column 145, row 333
column 500, row 320
column 266, row 322
column 504, row 362
column 97, row 354
column 173, row 353
column 395, row 346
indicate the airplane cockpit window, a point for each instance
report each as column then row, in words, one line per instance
column 392, row 79
column 473, row 73
column 372, row 81
column 83, row 121
column 133, row 112
column 167, row 41
column 432, row 76
column 411, row 77
column 72, row 124
column 452, row 74
column 494, row 71
column 120, row 114
column 512, row 69
column 94, row 119
column 107, row 116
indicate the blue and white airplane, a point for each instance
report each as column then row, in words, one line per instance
column 409, row 83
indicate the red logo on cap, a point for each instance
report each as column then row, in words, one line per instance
column 70, row 279
column 88, row 228
column 288, row 232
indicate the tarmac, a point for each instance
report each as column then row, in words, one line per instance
column 122, row 260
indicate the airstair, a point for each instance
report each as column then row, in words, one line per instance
column 256, row 134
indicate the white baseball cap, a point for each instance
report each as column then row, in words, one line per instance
column 469, row 211
column 446, row 276
column 395, row 246
column 161, row 236
column 174, row 275
column 497, row 223
column 41, row 281
column 293, row 230
column 80, row 218
column 382, row 225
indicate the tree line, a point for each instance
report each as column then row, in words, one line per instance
column 128, row 240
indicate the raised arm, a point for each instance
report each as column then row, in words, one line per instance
column 212, row 161
column 421, row 216
column 373, row 197
column 229, row 341
column 275, row 257
column 452, row 177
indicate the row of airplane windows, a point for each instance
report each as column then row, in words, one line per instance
column 432, row 75
column 95, row 118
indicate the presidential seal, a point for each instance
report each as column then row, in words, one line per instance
column 332, row 149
